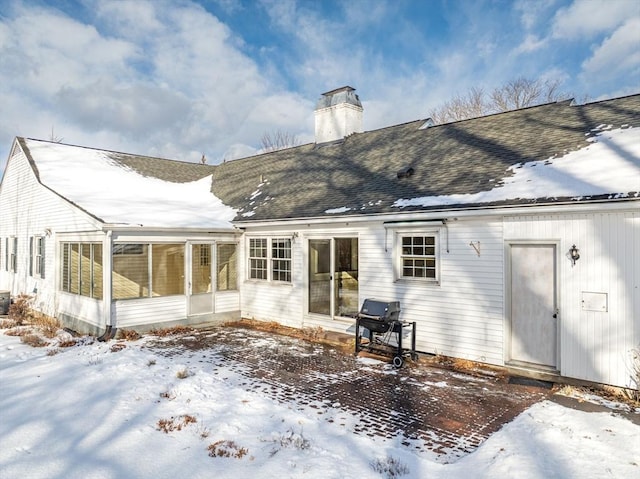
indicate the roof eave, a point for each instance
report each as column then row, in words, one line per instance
column 574, row 206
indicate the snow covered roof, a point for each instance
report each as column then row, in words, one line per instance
column 550, row 153
column 130, row 190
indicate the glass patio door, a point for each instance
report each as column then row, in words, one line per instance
column 333, row 276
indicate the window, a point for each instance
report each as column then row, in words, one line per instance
column 12, row 254
column 281, row 259
column 147, row 270
column 81, row 269
column 36, row 256
column 227, row 267
column 270, row 259
column 418, row 258
column 258, row 258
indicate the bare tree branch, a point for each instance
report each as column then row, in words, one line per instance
column 278, row 140
column 515, row 94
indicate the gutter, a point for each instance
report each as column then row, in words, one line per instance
column 452, row 213
column 110, row 331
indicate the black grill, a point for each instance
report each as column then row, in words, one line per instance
column 383, row 330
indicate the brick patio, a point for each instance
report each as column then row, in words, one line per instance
column 436, row 410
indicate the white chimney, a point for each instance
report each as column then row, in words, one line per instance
column 338, row 113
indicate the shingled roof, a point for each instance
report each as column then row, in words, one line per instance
column 359, row 175
column 365, row 173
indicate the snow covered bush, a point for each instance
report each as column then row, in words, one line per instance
column 226, row 449
column 289, row 440
column 175, row 423
column 389, row 467
column 20, row 310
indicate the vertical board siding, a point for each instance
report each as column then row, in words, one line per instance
column 28, row 209
column 462, row 316
column 594, row 345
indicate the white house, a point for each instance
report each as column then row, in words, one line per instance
column 511, row 239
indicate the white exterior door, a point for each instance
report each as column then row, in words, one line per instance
column 201, row 286
column 534, row 314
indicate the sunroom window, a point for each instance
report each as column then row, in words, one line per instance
column 143, row 270
column 227, row 267
column 81, row 269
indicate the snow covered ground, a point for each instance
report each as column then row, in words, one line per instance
column 90, row 412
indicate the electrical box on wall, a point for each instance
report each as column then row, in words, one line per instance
column 594, row 302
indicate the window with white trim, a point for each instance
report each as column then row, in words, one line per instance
column 417, row 256
column 36, row 260
column 12, row 254
column 258, row 258
column 81, row 269
column 270, row 259
column 281, row 259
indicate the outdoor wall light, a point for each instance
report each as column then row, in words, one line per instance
column 574, row 254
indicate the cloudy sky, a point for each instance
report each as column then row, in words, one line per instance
column 179, row 78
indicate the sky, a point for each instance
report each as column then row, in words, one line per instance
column 182, row 78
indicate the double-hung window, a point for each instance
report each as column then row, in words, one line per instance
column 258, row 258
column 270, row 259
column 11, row 251
column 417, row 256
column 36, row 260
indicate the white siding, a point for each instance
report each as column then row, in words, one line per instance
column 28, row 209
column 594, row 345
column 274, row 301
column 136, row 312
column 227, row 301
column 462, row 316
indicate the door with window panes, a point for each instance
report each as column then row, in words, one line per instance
column 213, row 269
column 333, row 277
column 200, row 286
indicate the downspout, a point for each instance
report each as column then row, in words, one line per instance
column 107, row 274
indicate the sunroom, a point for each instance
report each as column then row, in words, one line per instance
column 147, row 280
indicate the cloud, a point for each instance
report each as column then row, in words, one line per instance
column 532, row 13
column 142, row 76
column 618, row 53
column 586, row 18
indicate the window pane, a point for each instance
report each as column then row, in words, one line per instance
column 227, row 269
column 200, row 268
column 258, row 268
column 85, row 269
column 131, row 272
column 97, row 271
column 66, row 267
column 75, row 268
column 167, row 269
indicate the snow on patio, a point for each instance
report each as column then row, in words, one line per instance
column 90, row 412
